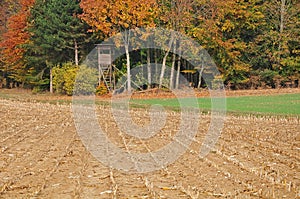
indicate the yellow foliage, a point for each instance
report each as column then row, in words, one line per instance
column 241, row 67
column 228, row 26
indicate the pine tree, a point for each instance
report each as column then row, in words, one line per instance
column 56, row 33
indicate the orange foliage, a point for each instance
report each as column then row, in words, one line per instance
column 15, row 36
column 112, row 16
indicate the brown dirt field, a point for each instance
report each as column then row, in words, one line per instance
column 155, row 93
column 42, row 156
column 205, row 93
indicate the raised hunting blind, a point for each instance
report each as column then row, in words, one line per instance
column 105, row 67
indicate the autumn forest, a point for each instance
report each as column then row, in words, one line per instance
column 254, row 43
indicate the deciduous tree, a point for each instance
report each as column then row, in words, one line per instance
column 283, row 27
column 174, row 15
column 225, row 29
column 15, row 35
column 114, row 16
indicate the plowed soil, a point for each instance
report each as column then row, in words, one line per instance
column 42, row 156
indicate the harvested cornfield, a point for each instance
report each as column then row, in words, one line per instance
column 42, row 156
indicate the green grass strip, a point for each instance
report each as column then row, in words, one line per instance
column 283, row 104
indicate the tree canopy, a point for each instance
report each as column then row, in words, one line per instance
column 254, row 43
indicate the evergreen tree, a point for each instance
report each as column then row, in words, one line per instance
column 57, row 34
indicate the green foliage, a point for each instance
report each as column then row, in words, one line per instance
column 252, row 42
column 56, row 35
column 291, row 67
column 54, row 28
column 268, row 77
column 36, row 79
column 37, row 90
column 277, row 46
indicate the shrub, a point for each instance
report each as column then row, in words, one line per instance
column 268, row 77
column 58, row 81
column 36, row 90
column 69, row 80
column 86, row 81
column 64, row 78
column 101, row 89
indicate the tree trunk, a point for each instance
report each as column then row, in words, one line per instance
column 126, row 38
column 200, row 74
column 148, row 68
column 156, row 66
column 76, row 52
column 99, row 67
column 173, row 66
column 200, row 78
column 51, row 80
column 128, row 68
column 163, row 67
column 282, row 21
column 178, row 71
column 49, row 65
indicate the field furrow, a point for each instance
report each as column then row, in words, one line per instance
column 42, row 156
